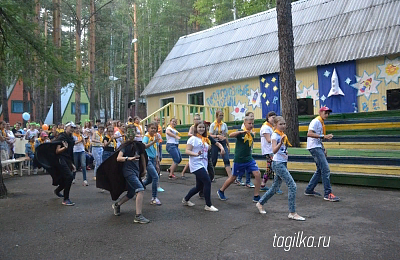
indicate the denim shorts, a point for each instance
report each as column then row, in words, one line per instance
column 173, row 150
column 134, row 185
column 240, row 168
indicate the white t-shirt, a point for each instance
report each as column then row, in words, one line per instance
column 315, row 126
column 139, row 138
column 282, row 154
column 170, row 139
column 224, row 130
column 266, row 148
column 119, row 138
column 78, row 147
column 198, row 162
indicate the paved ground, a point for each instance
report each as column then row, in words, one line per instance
column 34, row 225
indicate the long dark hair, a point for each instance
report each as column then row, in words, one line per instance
column 195, row 129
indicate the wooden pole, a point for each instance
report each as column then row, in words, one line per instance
column 135, row 60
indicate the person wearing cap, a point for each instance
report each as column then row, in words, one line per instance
column 44, row 138
column 316, row 134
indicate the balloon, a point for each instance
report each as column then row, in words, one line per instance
column 45, row 127
column 26, row 116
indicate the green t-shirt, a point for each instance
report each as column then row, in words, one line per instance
column 243, row 152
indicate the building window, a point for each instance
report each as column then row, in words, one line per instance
column 196, row 99
column 84, row 108
column 164, row 102
column 17, row 106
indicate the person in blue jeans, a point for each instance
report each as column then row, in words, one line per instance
column 109, row 143
column 150, row 141
column 280, row 144
column 316, row 133
column 173, row 137
column 79, row 154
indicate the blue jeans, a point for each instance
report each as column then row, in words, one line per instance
column 322, row 171
column 203, row 183
column 160, row 151
column 152, row 177
column 173, row 150
column 134, row 185
column 106, row 154
column 281, row 173
column 80, row 157
column 214, row 154
column 97, row 154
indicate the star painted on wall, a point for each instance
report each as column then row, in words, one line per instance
column 275, row 88
column 323, row 98
column 239, row 111
column 298, row 86
column 264, row 95
column 267, row 102
column 390, row 70
column 266, row 85
column 254, row 98
column 366, row 85
column 327, row 73
column 309, row 92
column 262, row 80
column 348, row 80
column 273, row 79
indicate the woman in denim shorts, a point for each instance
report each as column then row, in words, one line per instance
column 173, row 137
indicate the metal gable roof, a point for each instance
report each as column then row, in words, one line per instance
column 325, row 31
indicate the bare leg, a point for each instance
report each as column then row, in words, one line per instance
column 228, row 182
column 185, row 169
column 257, row 177
column 228, row 170
column 172, row 169
column 139, row 202
column 122, row 201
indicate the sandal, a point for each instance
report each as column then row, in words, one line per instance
column 171, row 176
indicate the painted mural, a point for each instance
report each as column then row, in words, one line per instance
column 228, row 96
column 390, row 70
column 366, row 85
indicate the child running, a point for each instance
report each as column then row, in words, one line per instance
column 150, row 141
column 238, row 180
column 243, row 160
column 197, row 148
column 280, row 144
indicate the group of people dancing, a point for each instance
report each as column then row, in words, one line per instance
column 134, row 158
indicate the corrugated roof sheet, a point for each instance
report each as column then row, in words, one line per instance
column 325, row 31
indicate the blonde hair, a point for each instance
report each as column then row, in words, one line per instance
column 277, row 119
column 248, row 118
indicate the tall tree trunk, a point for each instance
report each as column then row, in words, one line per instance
column 4, row 97
column 128, row 76
column 37, row 100
column 92, row 58
column 57, row 43
column 78, row 32
column 287, row 70
column 135, row 60
column 45, row 101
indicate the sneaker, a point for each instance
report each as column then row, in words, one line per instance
column 256, row 198
column 260, row 208
column 211, row 208
column 116, row 208
column 331, row 197
column 172, row 176
column 73, row 181
column 312, row 193
column 68, row 203
column 187, row 203
column 159, row 189
column 296, row 216
column 141, row 219
column 250, row 185
column 279, row 192
column 221, row 195
column 201, row 195
column 183, row 178
column 242, row 183
column 58, row 194
column 237, row 182
column 35, row 171
column 264, row 188
column 85, row 183
column 155, row 201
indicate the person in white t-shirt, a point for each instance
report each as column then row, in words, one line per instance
column 279, row 164
column 173, row 137
column 197, row 148
column 266, row 132
column 316, row 133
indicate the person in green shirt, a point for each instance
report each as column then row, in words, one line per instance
column 243, row 160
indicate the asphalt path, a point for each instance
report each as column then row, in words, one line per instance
column 34, row 224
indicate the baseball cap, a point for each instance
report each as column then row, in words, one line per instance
column 43, row 134
column 71, row 124
column 325, row 109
